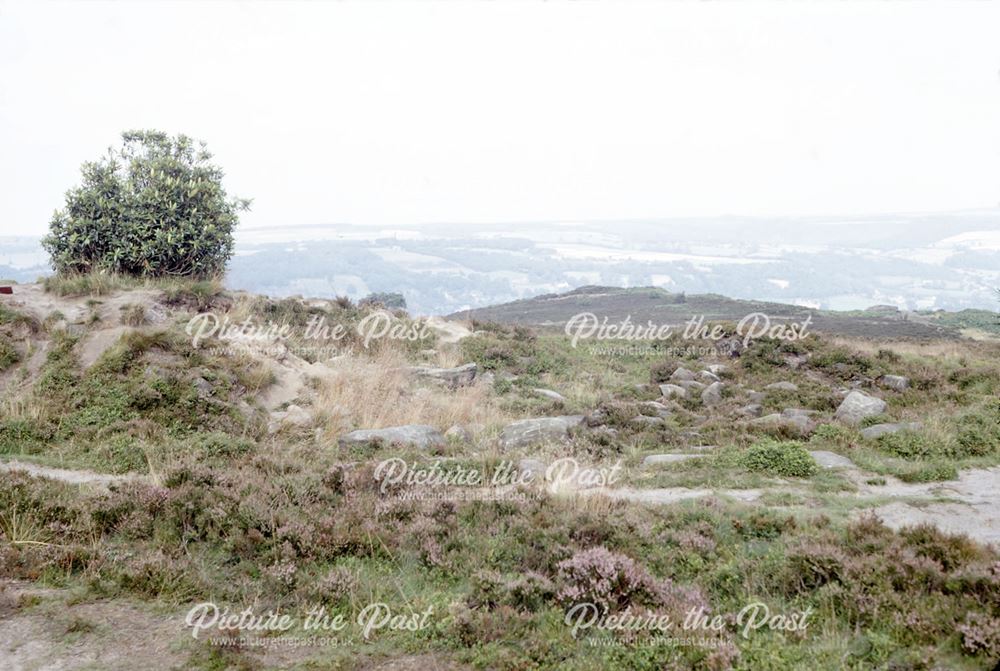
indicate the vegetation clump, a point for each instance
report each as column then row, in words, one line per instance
column 785, row 458
column 153, row 207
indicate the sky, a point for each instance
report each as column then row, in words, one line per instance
column 394, row 114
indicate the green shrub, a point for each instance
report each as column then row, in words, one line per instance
column 153, row 207
column 786, row 458
column 978, row 433
column 933, row 471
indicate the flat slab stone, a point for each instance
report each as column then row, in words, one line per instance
column 828, row 459
column 658, row 459
column 409, row 435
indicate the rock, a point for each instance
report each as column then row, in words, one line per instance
column 553, row 395
column 453, row 377
column 730, row 347
column 526, row 432
column 457, row 433
column 658, row 408
column 831, row 459
column 756, row 396
column 409, row 435
column 673, row 391
column 876, row 430
column 752, row 410
column 712, row 395
column 857, row 406
column 795, row 361
column 203, row 386
column 800, row 424
column 487, row 378
column 657, row 459
column 682, row 374
column 719, row 369
column 895, row 382
column 708, row 377
column 782, row 386
column 691, row 386
column 646, row 420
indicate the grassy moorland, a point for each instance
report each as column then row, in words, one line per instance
column 235, row 490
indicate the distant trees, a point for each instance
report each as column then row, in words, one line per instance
column 391, row 300
column 154, row 206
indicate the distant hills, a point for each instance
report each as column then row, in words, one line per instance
column 652, row 304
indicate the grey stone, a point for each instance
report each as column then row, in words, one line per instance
column 857, row 406
column 673, row 391
column 691, row 386
column 782, row 386
column 876, row 430
column 708, row 377
column 831, row 459
column 895, row 382
column 409, row 435
column 682, row 374
column 540, row 429
column 657, row 459
column 658, row 408
column 712, row 395
column 719, row 369
column 453, row 377
column 752, row 410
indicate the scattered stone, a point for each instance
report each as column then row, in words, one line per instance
column 549, row 394
column 828, row 459
column 657, row 459
column 658, row 408
column 526, row 432
column 756, row 396
column 708, row 377
column 895, row 382
column 752, row 410
column 487, row 378
column 673, row 391
column 782, row 386
column 857, row 406
column 420, row 436
column 876, row 430
column 203, row 386
column 682, row 374
column 712, row 395
column 719, row 369
column 453, row 377
column 800, row 424
column 795, row 361
column 691, row 386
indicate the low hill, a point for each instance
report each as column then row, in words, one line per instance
column 642, row 304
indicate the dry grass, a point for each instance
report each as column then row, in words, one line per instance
column 377, row 391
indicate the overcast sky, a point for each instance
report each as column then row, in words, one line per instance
column 386, row 114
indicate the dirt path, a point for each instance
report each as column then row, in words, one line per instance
column 68, row 476
column 972, row 504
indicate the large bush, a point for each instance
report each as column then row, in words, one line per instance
column 153, row 207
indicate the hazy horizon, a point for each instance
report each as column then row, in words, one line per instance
column 379, row 114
